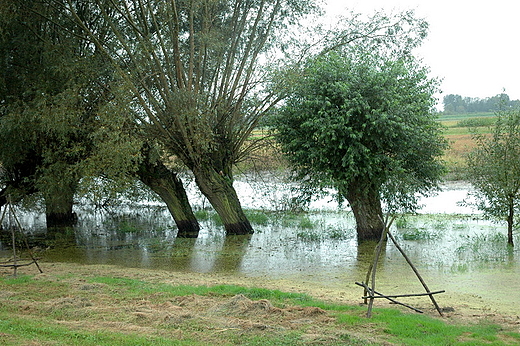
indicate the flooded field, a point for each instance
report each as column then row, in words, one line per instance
column 453, row 248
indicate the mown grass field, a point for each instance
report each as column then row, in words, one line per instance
column 107, row 305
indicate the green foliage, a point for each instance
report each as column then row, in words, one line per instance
column 55, row 86
column 363, row 120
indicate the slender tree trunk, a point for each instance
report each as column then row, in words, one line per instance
column 366, row 206
column 169, row 187
column 218, row 189
column 510, row 223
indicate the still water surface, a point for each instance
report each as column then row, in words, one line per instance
column 453, row 248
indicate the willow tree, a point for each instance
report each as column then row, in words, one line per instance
column 63, row 121
column 194, row 69
column 47, row 105
column 363, row 123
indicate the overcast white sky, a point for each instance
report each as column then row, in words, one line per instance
column 474, row 46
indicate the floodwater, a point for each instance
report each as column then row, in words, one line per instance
column 452, row 246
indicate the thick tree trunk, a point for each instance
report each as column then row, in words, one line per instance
column 366, row 206
column 218, row 189
column 58, row 207
column 169, row 187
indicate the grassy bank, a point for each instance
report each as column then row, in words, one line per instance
column 106, row 305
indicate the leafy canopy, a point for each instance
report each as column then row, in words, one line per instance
column 363, row 119
column 494, row 167
column 194, row 68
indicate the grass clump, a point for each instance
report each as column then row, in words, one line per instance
column 202, row 214
column 334, row 233
column 257, row 217
column 418, row 234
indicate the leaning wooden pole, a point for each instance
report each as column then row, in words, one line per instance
column 373, row 268
column 430, row 294
column 390, row 298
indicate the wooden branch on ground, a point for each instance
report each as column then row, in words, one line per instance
column 380, row 295
column 16, row 265
column 407, row 295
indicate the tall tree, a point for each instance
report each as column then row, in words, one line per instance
column 62, row 117
column 121, row 153
column 494, row 170
column 193, row 67
column 48, row 102
column 362, row 123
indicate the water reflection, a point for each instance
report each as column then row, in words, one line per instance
column 453, row 252
column 147, row 238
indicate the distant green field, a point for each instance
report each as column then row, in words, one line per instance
column 458, row 117
column 458, row 124
column 458, row 130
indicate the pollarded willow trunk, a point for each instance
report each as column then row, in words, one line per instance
column 366, row 206
column 218, row 189
column 169, row 187
column 58, row 207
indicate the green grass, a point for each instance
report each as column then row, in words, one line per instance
column 347, row 324
column 418, row 330
column 460, row 124
column 138, row 288
column 24, row 331
column 257, row 217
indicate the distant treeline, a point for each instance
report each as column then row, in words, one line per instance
column 456, row 104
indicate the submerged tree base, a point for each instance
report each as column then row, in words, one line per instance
column 59, row 220
column 187, row 229
column 241, row 228
column 369, row 234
